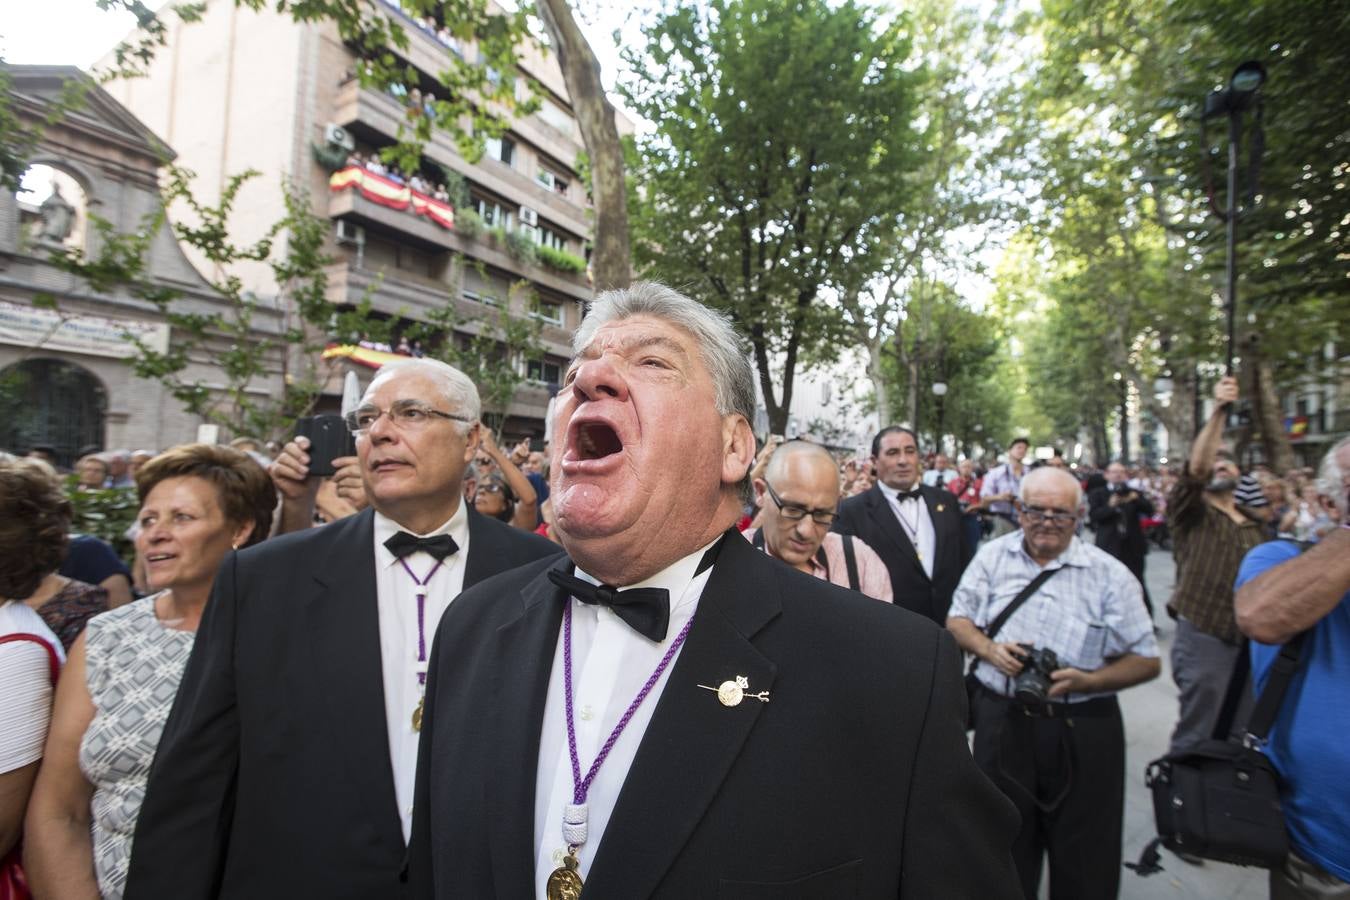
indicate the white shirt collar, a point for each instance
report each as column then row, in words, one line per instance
column 675, row 578
column 457, row 526
column 1073, row 556
column 892, row 494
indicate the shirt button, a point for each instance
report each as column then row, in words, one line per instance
column 558, row 856
column 586, row 713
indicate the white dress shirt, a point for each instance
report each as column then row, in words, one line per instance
column 610, row 664
column 403, row 672
column 916, row 523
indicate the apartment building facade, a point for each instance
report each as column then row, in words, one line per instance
column 67, row 349
column 243, row 90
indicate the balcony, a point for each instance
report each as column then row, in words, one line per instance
column 350, row 204
column 403, row 294
column 378, row 116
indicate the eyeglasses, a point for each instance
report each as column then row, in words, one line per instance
column 406, row 415
column 1036, row 515
column 490, row 489
column 794, row 513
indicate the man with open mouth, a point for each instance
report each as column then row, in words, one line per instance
column 668, row 711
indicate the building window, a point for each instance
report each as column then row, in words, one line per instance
column 475, row 297
column 493, row 214
column 548, row 310
column 549, row 237
column 543, row 371
column 502, row 149
column 556, row 116
column 552, row 182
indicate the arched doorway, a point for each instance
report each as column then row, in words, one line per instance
column 52, row 402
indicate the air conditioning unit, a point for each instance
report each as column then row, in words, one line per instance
column 347, row 233
column 528, row 216
column 339, row 137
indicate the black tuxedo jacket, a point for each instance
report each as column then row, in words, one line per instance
column 1124, row 543
column 869, row 517
column 853, row 781
column 272, row 778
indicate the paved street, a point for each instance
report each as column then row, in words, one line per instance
column 1150, row 711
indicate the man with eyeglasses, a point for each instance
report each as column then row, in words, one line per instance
column 286, row 768
column 797, row 498
column 915, row 529
column 1048, row 729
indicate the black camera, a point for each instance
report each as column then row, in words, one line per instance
column 1032, row 684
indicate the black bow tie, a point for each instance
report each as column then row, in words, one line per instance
column 902, row 496
column 439, row 546
column 646, row 610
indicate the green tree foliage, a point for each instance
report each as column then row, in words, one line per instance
column 481, row 92
column 965, row 350
column 230, row 329
column 1127, row 190
column 492, row 353
column 780, row 159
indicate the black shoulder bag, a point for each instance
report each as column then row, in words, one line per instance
column 973, row 683
column 1220, row 799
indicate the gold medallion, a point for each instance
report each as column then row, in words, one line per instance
column 417, row 714
column 729, row 693
column 563, row 882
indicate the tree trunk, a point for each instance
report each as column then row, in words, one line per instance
column 1267, row 416
column 611, row 259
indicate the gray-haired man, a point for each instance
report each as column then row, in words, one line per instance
column 670, row 713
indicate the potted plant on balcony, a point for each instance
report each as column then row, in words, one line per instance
column 521, row 247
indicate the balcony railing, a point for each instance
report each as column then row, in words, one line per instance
column 383, row 114
column 374, row 201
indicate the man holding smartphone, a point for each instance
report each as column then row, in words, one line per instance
column 286, row 766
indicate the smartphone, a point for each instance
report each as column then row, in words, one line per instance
column 328, row 439
column 537, row 445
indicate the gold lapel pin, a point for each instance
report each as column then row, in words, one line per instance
column 731, row 693
column 941, row 507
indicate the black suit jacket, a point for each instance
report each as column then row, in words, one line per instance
column 272, row 778
column 1118, row 529
column 869, row 517
column 853, row 781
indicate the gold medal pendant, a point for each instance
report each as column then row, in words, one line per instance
column 417, row 714
column 563, row 882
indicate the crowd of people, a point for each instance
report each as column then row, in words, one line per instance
column 431, row 674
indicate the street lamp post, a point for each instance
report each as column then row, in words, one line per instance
column 1240, row 95
column 940, row 392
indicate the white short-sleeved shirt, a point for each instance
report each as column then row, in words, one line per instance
column 1089, row 614
column 26, row 699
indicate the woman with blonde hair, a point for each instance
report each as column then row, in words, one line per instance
column 198, row 502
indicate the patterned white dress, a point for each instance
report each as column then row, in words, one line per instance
column 133, row 667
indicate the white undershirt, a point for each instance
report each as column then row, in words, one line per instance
column 917, row 525
column 397, row 605
column 610, row 664
column 25, row 686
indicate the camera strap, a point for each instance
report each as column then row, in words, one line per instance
column 1032, row 587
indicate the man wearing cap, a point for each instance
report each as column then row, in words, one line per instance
column 668, row 713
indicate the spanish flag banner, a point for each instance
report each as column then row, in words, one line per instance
column 361, row 355
column 381, row 190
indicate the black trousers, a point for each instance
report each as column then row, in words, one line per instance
column 1066, row 776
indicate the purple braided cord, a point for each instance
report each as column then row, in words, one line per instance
column 421, row 605
column 582, row 786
